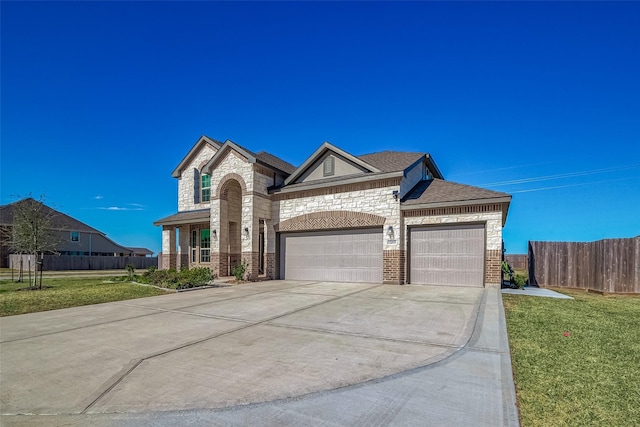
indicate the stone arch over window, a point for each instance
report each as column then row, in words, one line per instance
column 330, row 220
column 202, row 165
column 225, row 180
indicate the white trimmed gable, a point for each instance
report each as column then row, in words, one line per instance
column 329, row 165
column 326, row 162
column 196, row 150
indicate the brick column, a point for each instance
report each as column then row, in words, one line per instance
column 270, row 268
column 493, row 267
column 223, row 264
column 393, row 265
column 253, row 264
column 183, row 243
column 168, row 247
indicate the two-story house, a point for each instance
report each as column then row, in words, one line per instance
column 387, row 217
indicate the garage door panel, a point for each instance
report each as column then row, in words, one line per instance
column 447, row 255
column 345, row 255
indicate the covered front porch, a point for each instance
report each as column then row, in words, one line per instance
column 189, row 240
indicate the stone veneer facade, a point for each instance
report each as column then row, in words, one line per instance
column 358, row 205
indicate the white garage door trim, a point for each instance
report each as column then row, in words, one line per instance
column 352, row 255
column 451, row 255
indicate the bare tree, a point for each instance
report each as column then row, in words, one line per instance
column 32, row 231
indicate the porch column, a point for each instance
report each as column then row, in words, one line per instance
column 183, row 242
column 168, row 247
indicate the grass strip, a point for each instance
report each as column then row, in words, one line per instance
column 67, row 292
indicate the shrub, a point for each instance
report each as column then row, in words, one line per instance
column 173, row 279
column 239, row 270
column 520, row 280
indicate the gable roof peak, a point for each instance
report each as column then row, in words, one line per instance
column 262, row 157
column 319, row 152
column 203, row 140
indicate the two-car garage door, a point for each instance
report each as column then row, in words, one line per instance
column 447, row 255
column 438, row 255
column 335, row 255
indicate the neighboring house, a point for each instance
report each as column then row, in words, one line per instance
column 75, row 238
column 140, row 252
column 387, row 217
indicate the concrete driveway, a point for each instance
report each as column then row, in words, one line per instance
column 270, row 353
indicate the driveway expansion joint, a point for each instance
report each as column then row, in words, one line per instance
column 367, row 336
column 157, row 310
column 199, row 341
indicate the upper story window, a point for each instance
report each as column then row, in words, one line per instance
column 328, row 166
column 75, row 236
column 206, row 188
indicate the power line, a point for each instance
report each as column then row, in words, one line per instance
column 505, row 168
column 570, row 185
column 558, row 176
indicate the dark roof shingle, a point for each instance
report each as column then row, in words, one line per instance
column 275, row 161
column 440, row 191
column 391, row 161
column 59, row 220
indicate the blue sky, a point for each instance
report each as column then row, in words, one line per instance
column 101, row 100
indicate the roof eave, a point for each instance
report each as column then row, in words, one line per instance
column 180, row 221
column 357, row 180
column 408, row 207
column 228, row 145
column 505, row 201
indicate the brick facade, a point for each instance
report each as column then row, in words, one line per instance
column 330, row 220
column 253, row 266
column 393, row 267
column 270, row 265
column 493, row 267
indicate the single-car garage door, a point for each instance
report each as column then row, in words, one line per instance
column 447, row 255
column 334, row 256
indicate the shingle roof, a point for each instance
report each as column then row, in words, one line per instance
column 275, row 161
column 184, row 217
column 136, row 250
column 440, row 191
column 391, row 161
column 269, row 159
column 60, row 220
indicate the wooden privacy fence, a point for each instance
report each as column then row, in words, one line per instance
column 67, row 262
column 610, row 265
column 518, row 261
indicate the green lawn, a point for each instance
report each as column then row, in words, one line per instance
column 590, row 377
column 63, row 293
